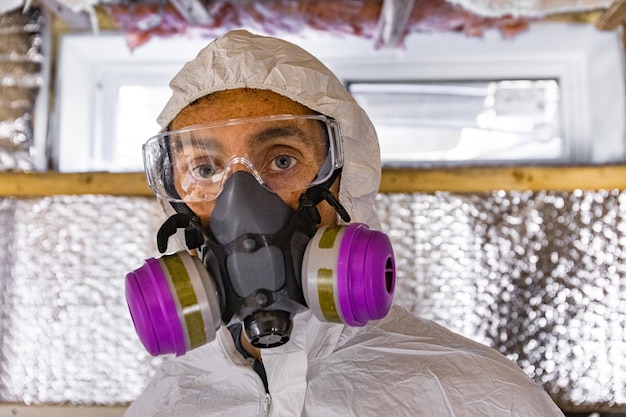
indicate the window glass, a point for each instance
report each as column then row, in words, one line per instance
column 135, row 121
column 446, row 122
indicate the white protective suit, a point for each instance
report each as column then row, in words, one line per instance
column 399, row 366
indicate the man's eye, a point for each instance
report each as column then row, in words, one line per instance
column 283, row 162
column 204, row 171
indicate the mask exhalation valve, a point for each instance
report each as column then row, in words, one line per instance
column 266, row 329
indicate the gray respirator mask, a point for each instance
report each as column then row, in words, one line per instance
column 260, row 263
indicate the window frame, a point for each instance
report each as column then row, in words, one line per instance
column 588, row 64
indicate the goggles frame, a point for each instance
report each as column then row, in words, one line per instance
column 158, row 166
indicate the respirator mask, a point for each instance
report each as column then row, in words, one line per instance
column 260, row 262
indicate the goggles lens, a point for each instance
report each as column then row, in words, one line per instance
column 284, row 153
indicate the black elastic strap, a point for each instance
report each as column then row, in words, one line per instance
column 318, row 193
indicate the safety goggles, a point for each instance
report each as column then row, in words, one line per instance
column 283, row 152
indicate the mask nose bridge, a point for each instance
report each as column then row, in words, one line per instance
column 241, row 163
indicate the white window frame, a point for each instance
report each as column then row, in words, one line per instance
column 91, row 69
column 588, row 64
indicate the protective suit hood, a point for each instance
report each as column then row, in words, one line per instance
column 240, row 59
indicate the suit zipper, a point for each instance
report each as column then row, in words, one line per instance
column 267, row 404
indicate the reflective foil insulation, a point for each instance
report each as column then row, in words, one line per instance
column 66, row 335
column 541, row 277
column 20, row 63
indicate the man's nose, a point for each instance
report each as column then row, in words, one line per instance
column 243, row 164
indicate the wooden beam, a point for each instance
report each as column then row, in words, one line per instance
column 614, row 16
column 22, row 410
column 76, row 20
column 193, row 11
column 483, row 179
column 457, row 180
column 55, row 183
column 392, row 22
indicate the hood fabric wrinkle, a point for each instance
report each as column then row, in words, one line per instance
column 240, row 59
column 444, row 396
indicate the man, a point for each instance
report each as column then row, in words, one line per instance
column 252, row 118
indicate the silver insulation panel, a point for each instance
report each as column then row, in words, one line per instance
column 66, row 335
column 539, row 276
column 20, row 79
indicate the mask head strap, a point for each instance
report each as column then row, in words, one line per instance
column 316, row 194
column 181, row 220
column 186, row 219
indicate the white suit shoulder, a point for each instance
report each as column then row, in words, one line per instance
column 212, row 380
column 406, row 366
column 399, row 366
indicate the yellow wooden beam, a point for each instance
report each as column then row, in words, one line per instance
column 457, row 180
column 54, row 183
column 22, row 410
column 482, row 179
column 614, row 16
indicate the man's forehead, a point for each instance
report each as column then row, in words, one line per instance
column 237, row 103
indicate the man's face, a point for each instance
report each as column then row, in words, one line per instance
column 286, row 154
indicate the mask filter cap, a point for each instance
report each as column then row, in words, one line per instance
column 150, row 302
column 173, row 303
column 350, row 274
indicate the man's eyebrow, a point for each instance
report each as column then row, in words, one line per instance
column 265, row 135
column 281, row 131
column 179, row 144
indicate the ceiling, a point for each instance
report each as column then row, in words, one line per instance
column 386, row 22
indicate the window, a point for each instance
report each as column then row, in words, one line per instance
column 554, row 94
column 109, row 97
column 458, row 122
